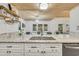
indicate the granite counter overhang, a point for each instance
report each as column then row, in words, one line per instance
column 25, row 39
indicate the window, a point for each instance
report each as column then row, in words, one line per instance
column 34, row 27
column 60, row 28
column 45, row 27
column 40, row 27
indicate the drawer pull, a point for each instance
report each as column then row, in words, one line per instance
column 8, row 51
column 29, row 50
column 37, row 50
column 43, row 51
column 33, row 47
column 9, row 46
column 52, row 47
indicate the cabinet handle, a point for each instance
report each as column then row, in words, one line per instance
column 52, row 47
column 71, row 47
column 33, row 47
column 9, row 46
column 52, row 50
column 43, row 51
column 37, row 50
column 8, row 51
column 29, row 50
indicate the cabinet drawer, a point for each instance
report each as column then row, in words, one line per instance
column 11, row 46
column 51, row 45
column 29, row 50
column 13, row 52
column 43, row 45
column 32, row 54
column 49, row 50
column 49, row 54
column 32, row 45
column 43, row 49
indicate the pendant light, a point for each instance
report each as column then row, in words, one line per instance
column 43, row 6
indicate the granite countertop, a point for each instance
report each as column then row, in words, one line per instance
column 25, row 38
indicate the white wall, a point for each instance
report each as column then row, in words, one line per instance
column 52, row 25
column 6, row 28
column 74, row 19
column 29, row 24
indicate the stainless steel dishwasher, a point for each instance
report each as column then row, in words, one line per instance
column 71, row 49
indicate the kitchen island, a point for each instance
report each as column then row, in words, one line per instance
column 15, row 45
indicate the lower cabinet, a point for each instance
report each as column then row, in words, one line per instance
column 10, row 52
column 11, row 49
column 30, row 49
column 43, row 49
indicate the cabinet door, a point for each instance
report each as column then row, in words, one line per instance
column 34, row 27
column 43, row 49
column 45, row 27
column 32, row 52
column 11, row 52
column 32, row 49
column 52, row 49
column 11, row 45
column 11, row 49
column 60, row 28
column 40, row 27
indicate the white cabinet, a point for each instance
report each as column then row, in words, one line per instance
column 12, row 49
column 30, row 49
column 46, row 49
column 52, row 49
column 11, row 52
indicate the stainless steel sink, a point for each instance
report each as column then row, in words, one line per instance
column 42, row 38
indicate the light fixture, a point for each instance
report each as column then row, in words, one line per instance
column 43, row 6
column 37, row 21
column 7, row 19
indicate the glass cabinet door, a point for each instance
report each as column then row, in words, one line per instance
column 45, row 27
column 40, row 29
column 34, row 27
column 60, row 28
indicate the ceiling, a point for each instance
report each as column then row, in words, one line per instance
column 31, row 11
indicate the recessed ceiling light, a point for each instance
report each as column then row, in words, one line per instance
column 43, row 6
column 36, row 20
